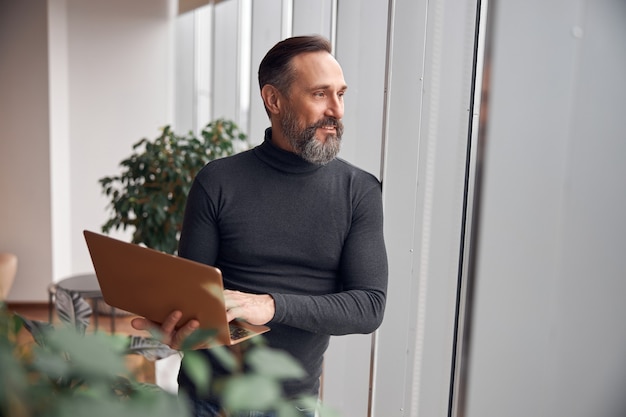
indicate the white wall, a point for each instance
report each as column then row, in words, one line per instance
column 120, row 71
column 103, row 71
column 25, row 222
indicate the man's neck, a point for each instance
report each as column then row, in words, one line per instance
column 279, row 139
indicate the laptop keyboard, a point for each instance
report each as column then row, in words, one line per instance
column 237, row 332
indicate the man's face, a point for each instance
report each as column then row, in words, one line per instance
column 311, row 117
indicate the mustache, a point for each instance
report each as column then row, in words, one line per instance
column 328, row 121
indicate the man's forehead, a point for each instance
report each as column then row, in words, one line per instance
column 318, row 68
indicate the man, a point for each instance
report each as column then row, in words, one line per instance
column 296, row 232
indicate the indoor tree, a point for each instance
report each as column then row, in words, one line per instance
column 149, row 194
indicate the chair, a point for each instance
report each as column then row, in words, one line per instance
column 8, row 269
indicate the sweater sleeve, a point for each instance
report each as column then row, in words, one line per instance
column 359, row 304
column 199, row 240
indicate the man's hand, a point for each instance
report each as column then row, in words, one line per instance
column 171, row 336
column 253, row 308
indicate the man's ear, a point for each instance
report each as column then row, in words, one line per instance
column 272, row 98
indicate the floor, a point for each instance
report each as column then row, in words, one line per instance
column 142, row 369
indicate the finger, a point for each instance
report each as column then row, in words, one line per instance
column 169, row 324
column 184, row 332
column 231, row 315
column 140, row 323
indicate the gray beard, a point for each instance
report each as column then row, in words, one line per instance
column 304, row 143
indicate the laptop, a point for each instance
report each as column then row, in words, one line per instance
column 152, row 284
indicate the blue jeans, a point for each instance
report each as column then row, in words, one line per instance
column 205, row 408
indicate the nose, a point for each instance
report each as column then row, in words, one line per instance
column 335, row 107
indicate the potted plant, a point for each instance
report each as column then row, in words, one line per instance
column 66, row 371
column 150, row 193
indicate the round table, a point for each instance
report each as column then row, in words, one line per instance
column 87, row 286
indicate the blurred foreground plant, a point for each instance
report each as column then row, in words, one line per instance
column 69, row 372
column 66, row 373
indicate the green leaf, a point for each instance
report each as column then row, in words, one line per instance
column 17, row 323
column 326, row 411
column 13, row 377
column 81, row 351
column 149, row 348
column 198, row 369
column 199, row 337
column 287, row 409
column 72, row 309
column 274, row 363
column 151, row 406
column 52, row 364
column 38, row 329
column 226, row 358
column 250, row 392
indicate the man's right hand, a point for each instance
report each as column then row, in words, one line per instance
column 171, row 336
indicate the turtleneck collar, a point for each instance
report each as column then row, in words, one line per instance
column 281, row 159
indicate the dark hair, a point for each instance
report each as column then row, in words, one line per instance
column 275, row 68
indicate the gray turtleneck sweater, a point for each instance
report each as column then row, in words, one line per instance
column 311, row 236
